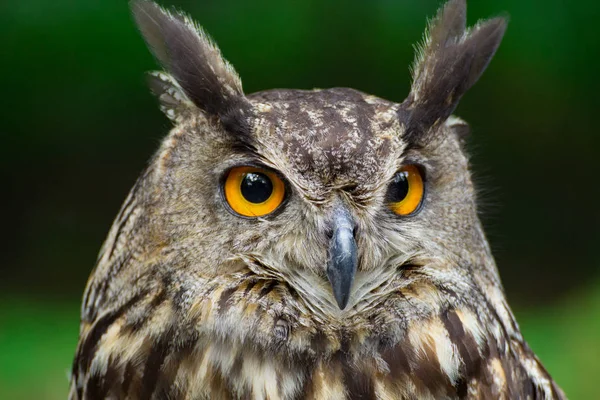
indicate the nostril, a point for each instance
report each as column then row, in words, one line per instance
column 329, row 233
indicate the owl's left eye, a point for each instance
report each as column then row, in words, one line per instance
column 253, row 191
column 406, row 191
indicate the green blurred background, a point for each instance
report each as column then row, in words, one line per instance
column 78, row 124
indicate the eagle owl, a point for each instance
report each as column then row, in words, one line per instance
column 294, row 244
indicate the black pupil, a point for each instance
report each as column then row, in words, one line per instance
column 399, row 187
column 256, row 187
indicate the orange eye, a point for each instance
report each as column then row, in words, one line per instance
column 406, row 191
column 253, row 192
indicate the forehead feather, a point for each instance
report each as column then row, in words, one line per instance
column 337, row 136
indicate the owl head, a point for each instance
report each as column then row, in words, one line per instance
column 334, row 192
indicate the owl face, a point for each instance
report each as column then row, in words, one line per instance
column 334, row 192
column 313, row 156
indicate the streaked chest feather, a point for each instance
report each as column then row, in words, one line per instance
column 245, row 340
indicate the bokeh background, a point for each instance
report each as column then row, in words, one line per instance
column 78, row 124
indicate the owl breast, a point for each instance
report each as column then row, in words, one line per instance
column 251, row 337
column 250, row 342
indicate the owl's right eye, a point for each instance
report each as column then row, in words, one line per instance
column 253, row 191
column 406, row 191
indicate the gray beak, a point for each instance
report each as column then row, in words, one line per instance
column 341, row 266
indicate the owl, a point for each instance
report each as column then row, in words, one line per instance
column 304, row 244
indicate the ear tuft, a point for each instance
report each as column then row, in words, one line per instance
column 173, row 100
column 198, row 70
column 448, row 25
column 483, row 42
column 449, row 62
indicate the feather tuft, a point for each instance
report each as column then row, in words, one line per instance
column 448, row 63
column 195, row 63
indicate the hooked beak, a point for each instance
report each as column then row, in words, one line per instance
column 341, row 266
